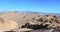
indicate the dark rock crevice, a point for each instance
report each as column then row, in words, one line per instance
column 35, row 27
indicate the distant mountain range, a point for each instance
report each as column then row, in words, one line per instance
column 43, row 13
column 31, row 12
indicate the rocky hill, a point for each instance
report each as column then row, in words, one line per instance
column 36, row 21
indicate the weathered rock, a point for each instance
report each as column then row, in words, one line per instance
column 12, row 20
column 8, row 24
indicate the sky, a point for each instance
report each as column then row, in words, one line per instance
column 47, row 6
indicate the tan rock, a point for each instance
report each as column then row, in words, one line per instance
column 9, row 24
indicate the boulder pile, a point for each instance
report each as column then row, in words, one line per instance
column 44, row 22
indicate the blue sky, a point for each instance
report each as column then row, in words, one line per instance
column 48, row 6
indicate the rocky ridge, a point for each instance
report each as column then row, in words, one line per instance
column 33, row 21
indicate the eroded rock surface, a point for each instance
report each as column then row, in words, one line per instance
column 37, row 22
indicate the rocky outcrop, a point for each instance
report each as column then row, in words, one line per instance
column 44, row 22
column 8, row 24
column 15, row 20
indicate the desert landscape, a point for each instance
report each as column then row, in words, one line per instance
column 29, row 22
column 29, row 15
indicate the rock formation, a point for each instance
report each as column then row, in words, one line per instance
column 8, row 24
column 15, row 20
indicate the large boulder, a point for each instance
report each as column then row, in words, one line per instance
column 8, row 24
